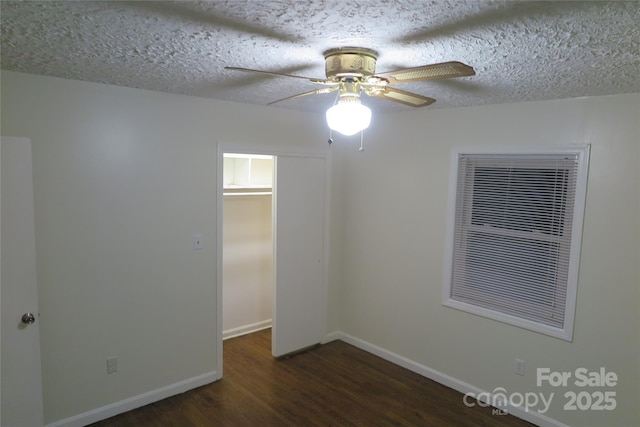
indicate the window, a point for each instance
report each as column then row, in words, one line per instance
column 514, row 237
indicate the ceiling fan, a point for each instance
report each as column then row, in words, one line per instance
column 352, row 70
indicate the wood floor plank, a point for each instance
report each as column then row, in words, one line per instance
column 332, row 385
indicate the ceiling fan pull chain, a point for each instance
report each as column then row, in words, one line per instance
column 361, row 149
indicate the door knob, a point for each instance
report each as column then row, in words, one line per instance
column 28, row 318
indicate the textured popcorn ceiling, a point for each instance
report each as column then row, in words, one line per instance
column 520, row 50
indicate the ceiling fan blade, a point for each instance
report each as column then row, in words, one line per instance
column 403, row 97
column 311, row 92
column 273, row 73
column 443, row 70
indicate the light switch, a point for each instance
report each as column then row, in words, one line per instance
column 198, row 241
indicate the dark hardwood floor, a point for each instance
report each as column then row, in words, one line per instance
column 332, row 385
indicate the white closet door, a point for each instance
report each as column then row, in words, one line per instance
column 299, row 230
column 21, row 385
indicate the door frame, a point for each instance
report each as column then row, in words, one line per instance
column 270, row 151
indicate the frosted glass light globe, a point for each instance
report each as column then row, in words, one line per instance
column 348, row 117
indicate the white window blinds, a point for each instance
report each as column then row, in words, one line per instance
column 513, row 237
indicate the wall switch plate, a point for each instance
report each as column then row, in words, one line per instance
column 198, row 242
column 112, row 365
column 520, row 367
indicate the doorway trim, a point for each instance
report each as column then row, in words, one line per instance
column 269, row 150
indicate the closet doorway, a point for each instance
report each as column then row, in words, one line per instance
column 299, row 245
column 247, row 240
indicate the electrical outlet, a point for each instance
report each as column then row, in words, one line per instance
column 520, row 367
column 112, row 365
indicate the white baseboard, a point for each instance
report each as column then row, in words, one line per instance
column 444, row 379
column 333, row 336
column 134, row 402
column 246, row 329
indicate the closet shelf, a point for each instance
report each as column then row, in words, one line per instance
column 259, row 190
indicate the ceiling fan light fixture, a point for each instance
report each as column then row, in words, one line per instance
column 349, row 116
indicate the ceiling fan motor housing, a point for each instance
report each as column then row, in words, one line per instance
column 350, row 62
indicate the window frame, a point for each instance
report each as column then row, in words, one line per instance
column 581, row 152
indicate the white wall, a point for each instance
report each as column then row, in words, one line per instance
column 394, row 234
column 122, row 179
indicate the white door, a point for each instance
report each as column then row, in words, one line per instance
column 21, row 384
column 299, row 230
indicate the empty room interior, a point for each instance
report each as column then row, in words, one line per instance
column 182, row 183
